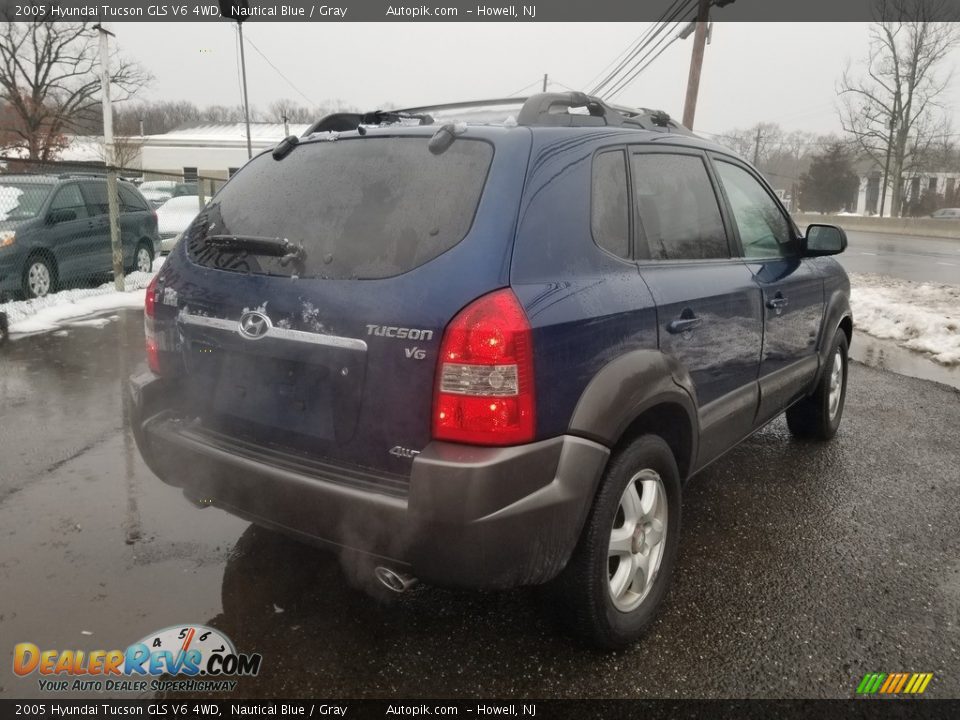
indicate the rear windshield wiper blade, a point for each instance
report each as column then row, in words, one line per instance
column 272, row 247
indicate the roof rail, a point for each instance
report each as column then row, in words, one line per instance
column 536, row 110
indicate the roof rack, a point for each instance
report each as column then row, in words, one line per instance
column 68, row 175
column 542, row 109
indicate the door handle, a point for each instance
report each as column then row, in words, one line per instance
column 779, row 302
column 684, row 324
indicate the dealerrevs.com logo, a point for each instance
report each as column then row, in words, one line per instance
column 186, row 658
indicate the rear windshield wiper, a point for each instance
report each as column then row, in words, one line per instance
column 271, row 247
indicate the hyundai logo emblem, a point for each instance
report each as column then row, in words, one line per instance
column 254, row 325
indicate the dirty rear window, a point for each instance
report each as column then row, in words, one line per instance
column 361, row 208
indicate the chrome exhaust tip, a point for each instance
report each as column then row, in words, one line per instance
column 393, row 580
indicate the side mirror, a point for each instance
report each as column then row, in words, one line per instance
column 824, row 240
column 60, row 216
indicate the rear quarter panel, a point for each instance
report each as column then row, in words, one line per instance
column 586, row 307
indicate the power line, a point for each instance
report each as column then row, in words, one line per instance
column 639, row 46
column 642, row 63
column 625, row 82
column 288, row 80
column 630, row 48
column 565, row 87
column 525, row 87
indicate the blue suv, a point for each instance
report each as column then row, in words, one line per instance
column 488, row 354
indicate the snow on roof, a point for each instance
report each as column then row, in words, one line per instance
column 79, row 148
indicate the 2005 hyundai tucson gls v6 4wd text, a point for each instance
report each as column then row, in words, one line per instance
column 488, row 355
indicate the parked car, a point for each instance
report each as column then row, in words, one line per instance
column 946, row 214
column 173, row 217
column 157, row 192
column 56, row 229
column 488, row 356
column 187, row 188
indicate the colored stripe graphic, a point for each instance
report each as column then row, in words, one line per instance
column 894, row 683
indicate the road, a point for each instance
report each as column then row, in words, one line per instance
column 802, row 566
column 904, row 256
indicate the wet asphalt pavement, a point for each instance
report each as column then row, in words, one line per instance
column 802, row 566
column 909, row 257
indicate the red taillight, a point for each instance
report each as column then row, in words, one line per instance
column 149, row 310
column 484, row 393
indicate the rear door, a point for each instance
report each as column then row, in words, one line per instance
column 708, row 307
column 72, row 237
column 792, row 289
column 100, row 253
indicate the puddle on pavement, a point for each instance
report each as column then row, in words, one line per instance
column 887, row 355
column 98, row 553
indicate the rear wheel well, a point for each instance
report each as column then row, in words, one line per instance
column 669, row 421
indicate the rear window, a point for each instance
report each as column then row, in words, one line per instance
column 361, row 208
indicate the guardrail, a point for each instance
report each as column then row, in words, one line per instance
column 926, row 227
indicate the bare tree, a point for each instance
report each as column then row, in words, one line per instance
column 50, row 82
column 291, row 111
column 895, row 107
column 126, row 151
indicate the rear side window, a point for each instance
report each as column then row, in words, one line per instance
column 610, row 206
column 678, row 210
column 96, row 198
column 362, row 208
column 130, row 201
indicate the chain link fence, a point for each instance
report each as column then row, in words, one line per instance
column 55, row 224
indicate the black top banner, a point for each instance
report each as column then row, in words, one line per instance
column 473, row 11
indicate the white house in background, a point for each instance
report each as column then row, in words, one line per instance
column 914, row 184
column 215, row 151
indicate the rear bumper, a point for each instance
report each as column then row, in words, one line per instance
column 468, row 517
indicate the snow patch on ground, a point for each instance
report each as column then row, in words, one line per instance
column 918, row 316
column 69, row 307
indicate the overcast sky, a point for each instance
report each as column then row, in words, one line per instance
column 781, row 72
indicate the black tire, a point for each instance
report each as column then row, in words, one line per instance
column 142, row 245
column 583, row 592
column 30, row 285
column 813, row 417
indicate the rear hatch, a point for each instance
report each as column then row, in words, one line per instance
column 306, row 304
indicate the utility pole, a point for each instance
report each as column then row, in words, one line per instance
column 886, row 165
column 696, row 63
column 286, row 127
column 236, row 10
column 756, row 148
column 108, row 157
column 544, row 82
column 246, row 104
